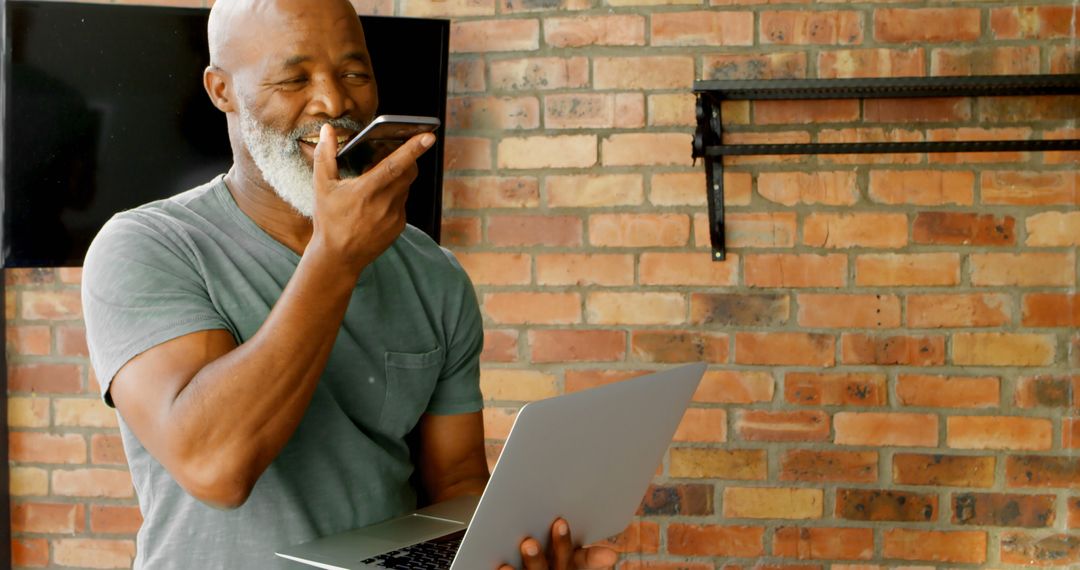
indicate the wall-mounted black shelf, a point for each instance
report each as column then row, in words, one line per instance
column 708, row 139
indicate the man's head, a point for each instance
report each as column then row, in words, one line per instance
column 280, row 69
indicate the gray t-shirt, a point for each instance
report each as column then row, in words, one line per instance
column 409, row 344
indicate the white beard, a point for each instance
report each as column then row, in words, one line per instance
column 278, row 157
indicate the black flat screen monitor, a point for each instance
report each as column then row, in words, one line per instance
column 104, row 110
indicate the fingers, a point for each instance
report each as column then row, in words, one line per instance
column 562, row 548
column 594, row 558
column 532, row 556
column 401, row 159
column 326, row 156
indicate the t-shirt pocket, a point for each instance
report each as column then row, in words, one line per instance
column 410, row 381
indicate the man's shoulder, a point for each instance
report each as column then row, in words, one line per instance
column 418, row 247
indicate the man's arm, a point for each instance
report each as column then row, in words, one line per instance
column 450, row 455
column 216, row 414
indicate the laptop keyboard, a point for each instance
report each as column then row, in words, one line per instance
column 436, row 554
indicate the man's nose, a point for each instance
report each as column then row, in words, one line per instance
column 330, row 98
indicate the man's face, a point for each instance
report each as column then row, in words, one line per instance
column 311, row 67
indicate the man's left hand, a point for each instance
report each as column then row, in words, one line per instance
column 562, row 555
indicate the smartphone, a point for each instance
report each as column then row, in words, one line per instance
column 380, row 138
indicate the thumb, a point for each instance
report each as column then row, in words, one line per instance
column 326, row 169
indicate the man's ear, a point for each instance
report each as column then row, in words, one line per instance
column 216, row 83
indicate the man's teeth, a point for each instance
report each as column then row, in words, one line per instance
column 341, row 139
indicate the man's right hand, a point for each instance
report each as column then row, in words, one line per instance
column 359, row 218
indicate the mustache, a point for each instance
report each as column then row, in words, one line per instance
column 340, row 123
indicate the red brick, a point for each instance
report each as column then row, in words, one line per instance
column 943, row 470
column 688, row 189
column 702, row 425
column 1048, row 392
column 702, row 28
column 506, row 384
column 1064, row 59
column 795, row 270
column 494, row 35
column 1008, row 60
column 498, row 113
column 649, row 72
column 611, row 308
column 595, row 190
column 1034, row 22
column 467, row 153
column 738, row 309
column 962, row 547
column 926, row 25
column 94, row 553
column 584, row 269
column 927, row 391
column 436, row 8
column 28, row 340
column 1003, row 349
column 829, row 466
column 538, row 152
column 32, row 412
column 47, row 518
column 108, row 483
column 928, row 350
column 499, row 346
column 735, row 387
column 778, row 137
column 577, row 345
column 539, row 73
column 593, row 110
column 578, row 380
column 1070, row 433
column 912, row 269
column 805, row 27
column 678, row 499
column 995, row 509
column 28, row 481
column 824, row 543
column 922, row 187
column 791, row 188
column 886, row 429
column 999, row 432
column 642, row 537
column 498, row 421
column 777, row 65
column 115, row 519
column 848, row 311
column 1074, row 512
column 672, row 110
column 846, row 389
column 871, row 63
column 1063, row 156
column 713, row 540
column 532, row 308
column 639, row 230
column 928, row 110
column 31, row 552
column 51, row 305
column 37, row 447
column 1051, row 310
column 1031, row 188
column 71, row 341
column 765, row 425
column 960, row 310
column 772, row 503
column 460, row 231
column 1042, row 471
column 1049, row 229
column 686, row 269
column 885, row 505
column 870, row 134
column 710, row 462
column 768, row 229
column 516, row 231
column 83, row 412
column 646, row 149
column 29, row 276
column 954, row 228
column 605, row 30
column 466, row 75
column 785, row 348
column 979, row 134
column 678, row 346
column 1022, row 269
column 497, row 268
column 806, row 112
column 482, row 192
column 878, row 230
column 1061, row 550
column 107, row 449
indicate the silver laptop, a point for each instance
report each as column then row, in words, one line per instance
column 587, row 457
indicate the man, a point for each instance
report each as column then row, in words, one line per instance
column 270, row 338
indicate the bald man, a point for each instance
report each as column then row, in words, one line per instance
column 270, row 338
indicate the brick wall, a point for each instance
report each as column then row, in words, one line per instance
column 892, row 340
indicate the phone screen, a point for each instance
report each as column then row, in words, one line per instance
column 382, row 137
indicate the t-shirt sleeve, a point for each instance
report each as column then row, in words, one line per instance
column 458, row 389
column 141, row 287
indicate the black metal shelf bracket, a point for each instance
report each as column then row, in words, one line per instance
column 709, row 145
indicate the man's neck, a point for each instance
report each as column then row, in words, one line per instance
column 260, row 203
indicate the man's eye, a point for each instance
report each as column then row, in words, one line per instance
column 294, row 81
column 358, row 76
